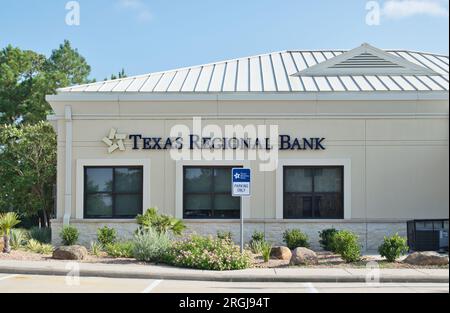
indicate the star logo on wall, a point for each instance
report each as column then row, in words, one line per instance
column 115, row 141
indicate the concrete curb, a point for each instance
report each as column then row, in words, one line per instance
column 254, row 275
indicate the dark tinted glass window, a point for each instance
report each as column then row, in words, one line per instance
column 313, row 193
column 112, row 192
column 207, row 194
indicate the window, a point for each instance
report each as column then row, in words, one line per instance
column 313, row 192
column 113, row 192
column 207, row 194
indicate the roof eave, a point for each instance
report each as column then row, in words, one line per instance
column 251, row 96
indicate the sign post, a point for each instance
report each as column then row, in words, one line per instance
column 241, row 187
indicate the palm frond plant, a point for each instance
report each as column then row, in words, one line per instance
column 7, row 222
column 163, row 224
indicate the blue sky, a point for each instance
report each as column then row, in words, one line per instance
column 144, row 36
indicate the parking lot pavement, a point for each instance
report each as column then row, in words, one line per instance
column 60, row 284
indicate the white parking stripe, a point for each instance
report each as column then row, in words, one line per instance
column 7, row 277
column 310, row 288
column 152, row 286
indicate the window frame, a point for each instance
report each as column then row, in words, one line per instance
column 211, row 193
column 112, row 193
column 313, row 192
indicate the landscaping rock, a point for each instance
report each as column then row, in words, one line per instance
column 426, row 258
column 304, row 256
column 281, row 253
column 70, row 253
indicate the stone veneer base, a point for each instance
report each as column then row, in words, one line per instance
column 371, row 233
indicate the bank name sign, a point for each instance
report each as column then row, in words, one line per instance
column 192, row 142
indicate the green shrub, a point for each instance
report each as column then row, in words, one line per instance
column 256, row 246
column 160, row 222
column 106, row 235
column 208, row 253
column 69, row 235
column 258, row 236
column 266, row 248
column 326, row 239
column 225, row 235
column 151, row 246
column 43, row 235
column 257, row 241
column 120, row 249
column 96, row 248
column 295, row 238
column 347, row 245
column 37, row 247
column 393, row 247
column 18, row 238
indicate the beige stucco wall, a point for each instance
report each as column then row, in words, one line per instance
column 399, row 150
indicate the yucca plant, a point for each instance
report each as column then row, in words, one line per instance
column 18, row 238
column 7, row 222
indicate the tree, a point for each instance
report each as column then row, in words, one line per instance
column 28, row 169
column 26, row 77
column 120, row 75
column 21, row 79
column 68, row 66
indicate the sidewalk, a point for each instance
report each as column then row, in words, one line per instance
column 61, row 268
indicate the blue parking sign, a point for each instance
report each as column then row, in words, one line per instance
column 241, row 181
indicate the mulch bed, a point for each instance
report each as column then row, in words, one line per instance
column 326, row 260
column 330, row 260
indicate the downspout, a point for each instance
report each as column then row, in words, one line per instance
column 68, row 168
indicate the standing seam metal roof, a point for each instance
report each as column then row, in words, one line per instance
column 274, row 72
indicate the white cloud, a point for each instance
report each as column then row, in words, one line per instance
column 139, row 7
column 397, row 9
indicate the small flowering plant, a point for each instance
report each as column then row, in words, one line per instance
column 208, row 253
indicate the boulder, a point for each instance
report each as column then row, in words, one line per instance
column 304, row 256
column 70, row 253
column 281, row 253
column 426, row 258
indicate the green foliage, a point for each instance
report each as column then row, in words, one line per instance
column 26, row 77
column 18, row 238
column 41, row 234
column 257, row 241
column 151, row 246
column 96, row 248
column 7, row 222
column 294, row 238
column 346, row 244
column 120, row 249
column 69, row 235
column 258, row 236
column 326, row 239
column 393, row 247
column 208, row 253
column 120, row 75
column 266, row 248
column 37, row 247
column 256, row 246
column 106, row 235
column 28, row 144
column 161, row 223
column 68, row 66
column 27, row 168
column 225, row 235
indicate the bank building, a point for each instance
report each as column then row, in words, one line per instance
column 362, row 143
